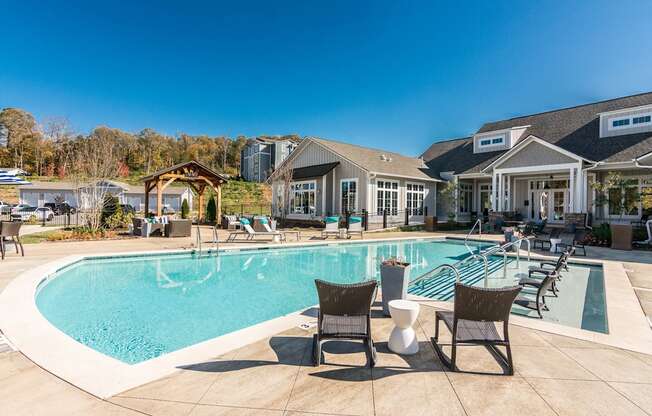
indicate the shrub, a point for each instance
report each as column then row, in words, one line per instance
column 110, row 206
column 600, row 236
column 211, row 210
column 185, row 209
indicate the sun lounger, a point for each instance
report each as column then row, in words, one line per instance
column 332, row 227
column 539, row 302
column 250, row 234
column 355, row 227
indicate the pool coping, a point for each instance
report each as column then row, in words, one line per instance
column 105, row 376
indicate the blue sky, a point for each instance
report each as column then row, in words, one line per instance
column 388, row 74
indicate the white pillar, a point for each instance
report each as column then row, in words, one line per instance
column 579, row 185
column 501, row 192
column 585, row 192
column 494, row 191
column 457, row 196
column 508, row 201
column 571, row 190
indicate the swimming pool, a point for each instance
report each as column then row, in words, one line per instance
column 135, row 308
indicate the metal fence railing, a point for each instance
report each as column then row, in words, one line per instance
column 66, row 220
column 388, row 218
column 247, row 209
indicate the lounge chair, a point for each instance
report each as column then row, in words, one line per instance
column 332, row 227
column 473, row 321
column 545, row 269
column 355, row 227
column 250, row 234
column 10, row 233
column 230, row 222
column 539, row 303
column 345, row 313
column 541, row 240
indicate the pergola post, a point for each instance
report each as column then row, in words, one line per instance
column 218, row 204
column 159, row 197
column 147, row 189
column 200, row 208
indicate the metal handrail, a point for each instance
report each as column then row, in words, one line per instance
column 428, row 273
column 477, row 222
column 216, row 240
column 198, row 238
column 502, row 249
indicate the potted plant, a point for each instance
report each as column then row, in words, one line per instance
column 618, row 201
column 394, row 279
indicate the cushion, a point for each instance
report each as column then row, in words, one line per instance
column 263, row 220
column 330, row 220
column 353, row 220
column 244, row 221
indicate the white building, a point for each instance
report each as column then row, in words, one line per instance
column 39, row 193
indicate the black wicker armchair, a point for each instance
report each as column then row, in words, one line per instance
column 345, row 313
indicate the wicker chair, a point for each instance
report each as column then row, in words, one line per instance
column 473, row 321
column 345, row 313
column 10, row 232
column 574, row 241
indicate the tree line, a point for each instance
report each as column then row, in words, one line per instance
column 50, row 147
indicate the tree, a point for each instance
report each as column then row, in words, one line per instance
column 21, row 129
column 619, row 192
column 185, row 209
column 448, row 196
column 283, row 182
column 211, row 210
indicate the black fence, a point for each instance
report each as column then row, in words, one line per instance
column 247, row 209
column 66, row 220
column 388, row 218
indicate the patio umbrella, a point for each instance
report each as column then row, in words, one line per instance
column 9, row 179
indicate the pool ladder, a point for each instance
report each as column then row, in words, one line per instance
column 215, row 240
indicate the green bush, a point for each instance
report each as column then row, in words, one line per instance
column 211, row 210
column 110, row 206
column 599, row 236
column 185, row 209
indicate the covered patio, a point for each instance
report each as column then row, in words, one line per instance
column 197, row 176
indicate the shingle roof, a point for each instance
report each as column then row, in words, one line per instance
column 372, row 161
column 575, row 129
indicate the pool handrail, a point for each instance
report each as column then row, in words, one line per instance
column 427, row 274
column 477, row 222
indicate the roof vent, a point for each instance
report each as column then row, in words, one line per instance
column 383, row 157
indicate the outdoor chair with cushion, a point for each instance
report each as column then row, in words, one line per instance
column 178, row 228
column 355, row 227
column 251, row 234
column 332, row 227
column 137, row 228
column 473, row 321
column 345, row 313
column 539, row 303
column 10, row 233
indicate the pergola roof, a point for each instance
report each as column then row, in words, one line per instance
column 188, row 169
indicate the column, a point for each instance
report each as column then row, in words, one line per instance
column 494, row 185
column 571, row 190
column 585, row 192
column 501, row 192
column 159, row 198
column 457, row 196
column 579, row 189
column 508, row 201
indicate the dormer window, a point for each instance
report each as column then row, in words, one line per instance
column 492, row 141
column 638, row 120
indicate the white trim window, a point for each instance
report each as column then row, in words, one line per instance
column 628, row 200
column 414, row 196
column 491, row 141
column 302, row 197
column 387, row 193
column 349, row 195
column 466, row 197
column 628, row 122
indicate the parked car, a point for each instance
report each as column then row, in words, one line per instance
column 60, row 209
column 19, row 207
column 33, row 214
column 5, row 208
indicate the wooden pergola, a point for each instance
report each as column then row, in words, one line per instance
column 196, row 175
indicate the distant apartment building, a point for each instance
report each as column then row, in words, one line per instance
column 262, row 155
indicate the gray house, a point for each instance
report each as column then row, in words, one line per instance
column 541, row 166
column 262, row 155
column 331, row 177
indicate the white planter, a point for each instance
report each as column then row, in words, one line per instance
column 394, row 280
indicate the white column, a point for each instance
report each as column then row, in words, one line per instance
column 585, row 192
column 579, row 185
column 494, row 190
column 508, row 202
column 571, row 190
column 457, row 196
column 323, row 195
column 501, row 192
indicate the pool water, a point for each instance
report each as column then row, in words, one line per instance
column 138, row 308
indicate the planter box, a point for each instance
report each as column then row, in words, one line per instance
column 394, row 280
column 621, row 236
column 431, row 223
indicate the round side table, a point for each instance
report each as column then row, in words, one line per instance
column 403, row 339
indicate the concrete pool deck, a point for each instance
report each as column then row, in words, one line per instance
column 272, row 376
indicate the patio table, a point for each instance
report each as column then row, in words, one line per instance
column 403, row 339
column 553, row 244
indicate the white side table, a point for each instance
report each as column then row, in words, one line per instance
column 553, row 244
column 403, row 339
